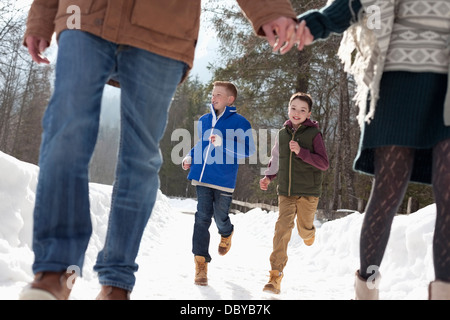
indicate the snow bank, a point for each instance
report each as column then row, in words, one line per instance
column 322, row 271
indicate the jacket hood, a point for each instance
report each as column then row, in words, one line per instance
column 307, row 122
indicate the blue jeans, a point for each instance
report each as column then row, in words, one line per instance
column 210, row 202
column 62, row 225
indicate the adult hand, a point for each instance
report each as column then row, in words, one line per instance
column 36, row 46
column 303, row 36
column 280, row 34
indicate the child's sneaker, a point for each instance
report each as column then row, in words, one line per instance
column 274, row 283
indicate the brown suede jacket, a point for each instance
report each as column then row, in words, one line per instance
column 165, row 27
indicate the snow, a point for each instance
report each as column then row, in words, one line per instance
column 166, row 266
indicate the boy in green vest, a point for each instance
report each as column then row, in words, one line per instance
column 298, row 160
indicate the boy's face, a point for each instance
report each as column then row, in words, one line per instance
column 298, row 112
column 221, row 98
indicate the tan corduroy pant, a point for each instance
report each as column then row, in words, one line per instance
column 304, row 208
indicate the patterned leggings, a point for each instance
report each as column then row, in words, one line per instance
column 393, row 167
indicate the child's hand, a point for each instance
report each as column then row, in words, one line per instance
column 293, row 145
column 264, row 183
column 186, row 164
column 216, row 140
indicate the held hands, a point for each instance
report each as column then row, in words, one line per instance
column 36, row 46
column 280, row 34
column 303, row 36
column 283, row 33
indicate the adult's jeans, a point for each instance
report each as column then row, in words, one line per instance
column 62, row 225
column 210, row 203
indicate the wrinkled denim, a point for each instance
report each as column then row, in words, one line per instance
column 62, row 224
column 210, row 203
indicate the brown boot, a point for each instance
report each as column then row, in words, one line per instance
column 439, row 290
column 201, row 271
column 274, row 284
column 225, row 244
column 365, row 289
column 309, row 241
column 113, row 293
column 49, row 285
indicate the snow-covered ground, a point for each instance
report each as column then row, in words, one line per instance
column 166, row 267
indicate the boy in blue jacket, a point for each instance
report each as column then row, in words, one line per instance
column 225, row 137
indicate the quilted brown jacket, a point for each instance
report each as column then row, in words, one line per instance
column 165, row 27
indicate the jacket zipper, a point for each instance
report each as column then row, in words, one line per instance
column 204, row 164
column 207, row 151
column 290, row 168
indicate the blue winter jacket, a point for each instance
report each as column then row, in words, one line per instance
column 218, row 165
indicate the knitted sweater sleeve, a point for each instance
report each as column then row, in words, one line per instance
column 334, row 18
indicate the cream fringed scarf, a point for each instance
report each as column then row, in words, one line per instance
column 363, row 51
column 366, row 43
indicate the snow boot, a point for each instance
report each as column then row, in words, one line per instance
column 274, row 283
column 201, row 271
column 309, row 241
column 225, row 244
column 366, row 289
column 48, row 285
column 113, row 293
column 439, row 290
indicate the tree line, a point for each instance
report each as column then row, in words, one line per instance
column 265, row 82
column 24, row 88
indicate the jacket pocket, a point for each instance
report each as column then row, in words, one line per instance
column 176, row 18
column 64, row 10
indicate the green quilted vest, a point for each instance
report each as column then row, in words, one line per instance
column 296, row 177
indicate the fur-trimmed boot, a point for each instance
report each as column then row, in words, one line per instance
column 439, row 290
column 366, row 289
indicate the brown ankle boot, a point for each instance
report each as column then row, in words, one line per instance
column 310, row 241
column 113, row 293
column 201, row 271
column 225, row 244
column 274, row 284
column 49, row 285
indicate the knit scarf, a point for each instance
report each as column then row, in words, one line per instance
column 447, row 99
column 363, row 52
